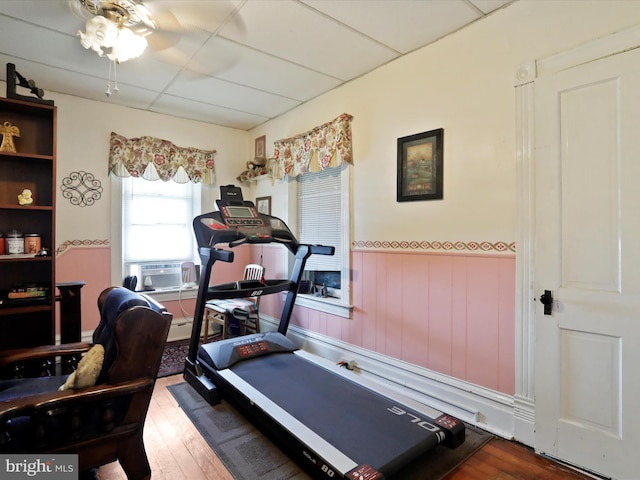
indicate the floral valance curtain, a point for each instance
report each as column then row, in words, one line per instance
column 323, row 147
column 153, row 158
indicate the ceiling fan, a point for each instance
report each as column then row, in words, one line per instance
column 117, row 28
column 121, row 30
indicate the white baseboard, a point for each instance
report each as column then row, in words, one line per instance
column 180, row 329
column 487, row 409
column 524, row 420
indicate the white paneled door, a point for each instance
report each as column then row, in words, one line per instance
column 587, row 254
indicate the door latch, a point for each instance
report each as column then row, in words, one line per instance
column 547, row 300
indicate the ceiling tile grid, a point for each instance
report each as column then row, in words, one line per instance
column 235, row 63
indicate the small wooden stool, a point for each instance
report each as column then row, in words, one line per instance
column 212, row 314
column 219, row 311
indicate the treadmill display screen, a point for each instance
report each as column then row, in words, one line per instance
column 240, row 212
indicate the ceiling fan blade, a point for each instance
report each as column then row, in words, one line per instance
column 161, row 40
column 192, row 15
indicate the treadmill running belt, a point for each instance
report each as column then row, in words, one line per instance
column 368, row 427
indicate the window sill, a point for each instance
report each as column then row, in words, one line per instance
column 169, row 295
column 333, row 306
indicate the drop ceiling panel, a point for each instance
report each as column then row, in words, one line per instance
column 196, row 110
column 239, row 64
column 25, row 41
column 230, row 95
column 414, row 23
column 55, row 15
column 293, row 31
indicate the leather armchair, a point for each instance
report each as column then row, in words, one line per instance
column 100, row 423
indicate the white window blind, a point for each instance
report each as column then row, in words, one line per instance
column 156, row 220
column 319, row 216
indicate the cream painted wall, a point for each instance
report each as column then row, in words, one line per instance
column 84, row 127
column 464, row 84
column 83, row 234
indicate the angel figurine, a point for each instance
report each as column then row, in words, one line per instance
column 8, row 131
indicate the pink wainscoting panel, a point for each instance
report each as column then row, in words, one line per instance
column 451, row 313
column 459, row 317
column 507, row 327
column 354, row 331
column 482, row 300
column 394, row 312
column 415, row 308
column 224, row 272
column 439, row 303
column 356, row 328
column 91, row 265
column 379, row 299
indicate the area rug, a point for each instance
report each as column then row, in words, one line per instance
column 249, row 455
column 175, row 353
column 173, row 358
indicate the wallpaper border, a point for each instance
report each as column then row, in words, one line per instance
column 69, row 244
column 446, row 246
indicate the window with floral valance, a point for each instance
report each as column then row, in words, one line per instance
column 326, row 146
column 153, row 158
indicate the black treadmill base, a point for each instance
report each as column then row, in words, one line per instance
column 207, row 390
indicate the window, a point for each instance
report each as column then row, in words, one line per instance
column 156, row 231
column 323, row 217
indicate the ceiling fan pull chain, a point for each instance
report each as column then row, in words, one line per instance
column 108, row 91
column 115, row 77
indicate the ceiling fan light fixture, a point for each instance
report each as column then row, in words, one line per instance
column 100, row 33
column 128, row 45
column 107, row 29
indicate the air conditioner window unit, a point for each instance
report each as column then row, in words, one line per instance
column 160, row 276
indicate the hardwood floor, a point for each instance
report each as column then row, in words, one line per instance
column 177, row 451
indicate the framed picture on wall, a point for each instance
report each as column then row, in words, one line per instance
column 261, row 147
column 420, row 166
column 263, row 205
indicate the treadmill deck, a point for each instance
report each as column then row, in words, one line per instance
column 351, row 427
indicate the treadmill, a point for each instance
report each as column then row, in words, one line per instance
column 331, row 425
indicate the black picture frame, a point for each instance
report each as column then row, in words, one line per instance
column 420, row 163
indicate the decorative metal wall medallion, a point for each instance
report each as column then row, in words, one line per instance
column 81, row 189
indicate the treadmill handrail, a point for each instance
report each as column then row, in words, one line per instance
column 213, row 254
column 225, row 291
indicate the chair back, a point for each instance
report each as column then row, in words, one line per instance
column 253, row 272
column 128, row 321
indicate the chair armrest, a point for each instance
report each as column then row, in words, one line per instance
column 8, row 357
column 44, row 402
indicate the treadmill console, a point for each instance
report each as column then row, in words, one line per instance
column 225, row 353
column 238, row 221
column 237, row 216
column 253, row 349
